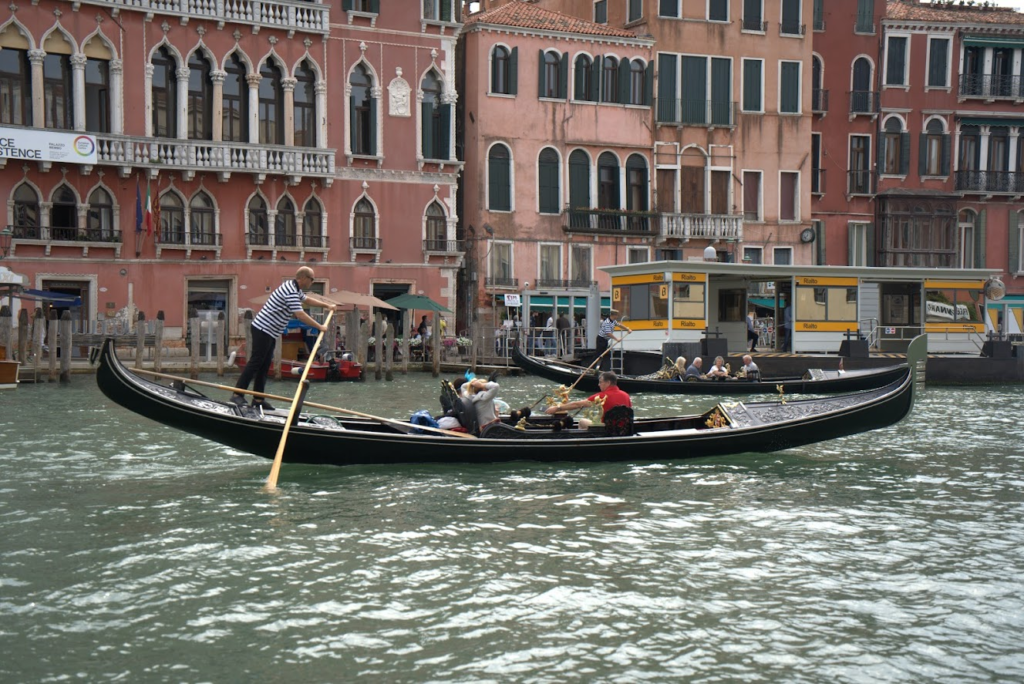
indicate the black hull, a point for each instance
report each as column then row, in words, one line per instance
column 851, row 381
column 756, row 428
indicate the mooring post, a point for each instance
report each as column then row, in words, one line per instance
column 6, row 331
column 406, row 334
column 221, row 346
column 38, row 333
column 54, row 345
column 435, row 367
column 140, row 338
column 23, row 338
column 197, row 335
column 364, row 340
column 378, row 345
column 65, row 347
column 158, row 342
column 389, row 353
column 475, row 342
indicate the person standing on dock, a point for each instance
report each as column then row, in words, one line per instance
column 269, row 324
column 607, row 332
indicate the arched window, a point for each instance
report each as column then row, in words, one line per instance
column 637, row 194
column 97, row 95
column 435, row 119
column 165, row 94
column 200, row 98
column 548, row 177
column 235, row 111
column 58, row 97
column 259, row 231
column 64, row 214
column 817, row 97
column 608, row 181
column 271, row 102
column 579, row 189
column 935, row 150
column 437, row 229
column 499, row 179
column 15, row 87
column 637, row 83
column 970, row 154
column 201, row 218
column 284, row 224
column 305, row 106
column 552, row 84
column 583, row 88
column 26, row 210
column 172, row 219
column 100, row 216
column 364, row 232
column 862, row 99
column 895, row 152
column 503, row 68
column 313, row 224
column 363, row 112
column 610, row 80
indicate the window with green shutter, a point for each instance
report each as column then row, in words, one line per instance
column 547, row 181
column 938, row 62
column 718, row 10
column 601, row 12
column 667, row 105
column 752, row 69
column 721, row 91
column 865, row 16
column 579, row 187
column 1016, row 230
column 668, row 8
column 583, row 69
column 499, row 179
column 896, row 60
column 789, row 88
column 695, row 90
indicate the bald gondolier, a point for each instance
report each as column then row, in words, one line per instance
column 607, row 335
column 270, row 323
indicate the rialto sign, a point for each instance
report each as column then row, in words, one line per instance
column 47, row 146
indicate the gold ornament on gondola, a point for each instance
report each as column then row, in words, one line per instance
column 560, row 396
column 782, row 393
column 594, row 410
column 716, row 420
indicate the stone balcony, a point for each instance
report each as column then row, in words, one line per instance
column 222, row 158
column 712, row 227
column 289, row 15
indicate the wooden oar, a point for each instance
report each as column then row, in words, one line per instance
column 598, row 359
column 324, row 407
column 300, row 393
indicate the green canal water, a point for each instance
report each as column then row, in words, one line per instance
column 135, row 553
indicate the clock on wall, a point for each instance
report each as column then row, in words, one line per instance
column 807, row 235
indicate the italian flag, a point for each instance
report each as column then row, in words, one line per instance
column 147, row 217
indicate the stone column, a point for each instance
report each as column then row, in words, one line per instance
column 182, row 82
column 288, row 86
column 986, row 131
column 35, row 58
column 254, row 107
column 116, row 68
column 78, row 88
column 148, row 95
column 218, row 76
column 321, row 114
column 44, row 220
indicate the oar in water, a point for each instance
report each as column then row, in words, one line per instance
column 324, row 407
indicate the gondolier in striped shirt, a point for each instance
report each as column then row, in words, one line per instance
column 270, row 323
column 607, row 335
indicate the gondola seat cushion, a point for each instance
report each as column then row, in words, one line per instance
column 618, row 421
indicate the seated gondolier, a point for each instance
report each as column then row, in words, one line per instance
column 269, row 324
column 607, row 335
column 610, row 394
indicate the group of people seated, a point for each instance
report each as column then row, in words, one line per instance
column 719, row 371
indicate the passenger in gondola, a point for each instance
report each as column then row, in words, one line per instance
column 718, row 371
column 750, row 369
column 693, row 371
column 610, row 392
column 481, row 394
column 679, row 369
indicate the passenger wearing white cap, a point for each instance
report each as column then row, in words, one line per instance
column 607, row 335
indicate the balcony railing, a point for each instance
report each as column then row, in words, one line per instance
column 443, row 246
column 290, row 15
column 503, row 282
column 861, row 182
column 819, row 24
column 71, row 234
column 314, row 241
column 696, row 112
column 257, row 239
column 187, row 239
column 818, row 181
column 755, row 24
column 364, row 243
column 864, row 102
column 610, row 221
column 205, row 239
column 562, row 284
column 792, row 29
column 991, row 86
column 26, row 232
column 819, row 100
column 285, row 240
column 701, row 226
column 225, row 158
column 990, row 181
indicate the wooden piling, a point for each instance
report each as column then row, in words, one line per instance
column 406, row 334
column 23, row 337
column 477, row 341
column 220, row 344
column 435, row 368
column 51, row 334
column 6, row 331
column 140, row 339
column 378, row 345
column 158, row 346
column 65, row 347
column 364, row 340
column 193, row 366
column 38, row 333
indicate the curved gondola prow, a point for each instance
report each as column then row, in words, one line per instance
column 917, row 360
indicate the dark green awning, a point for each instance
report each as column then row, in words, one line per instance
column 989, row 121
column 993, row 41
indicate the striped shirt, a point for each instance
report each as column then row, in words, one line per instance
column 607, row 328
column 284, row 301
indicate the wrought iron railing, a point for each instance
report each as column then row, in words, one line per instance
column 755, row 24
column 501, row 282
column 205, row 239
column 991, row 86
column 864, row 102
column 701, row 226
column 26, row 232
column 990, row 181
column 696, row 112
column 610, row 221
column 257, row 239
column 819, row 100
column 791, row 28
column 315, row 241
column 861, row 182
column 72, row 234
column 364, row 243
column 285, row 240
column 442, row 246
column 818, row 181
column 563, row 284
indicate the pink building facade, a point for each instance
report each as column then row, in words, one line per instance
column 267, row 136
column 557, row 138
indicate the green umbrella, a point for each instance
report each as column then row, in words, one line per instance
column 416, row 303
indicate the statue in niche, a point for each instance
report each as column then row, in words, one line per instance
column 398, row 95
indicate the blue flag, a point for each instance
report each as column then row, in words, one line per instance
column 138, row 207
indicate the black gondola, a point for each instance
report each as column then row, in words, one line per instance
column 815, row 382
column 729, row 428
